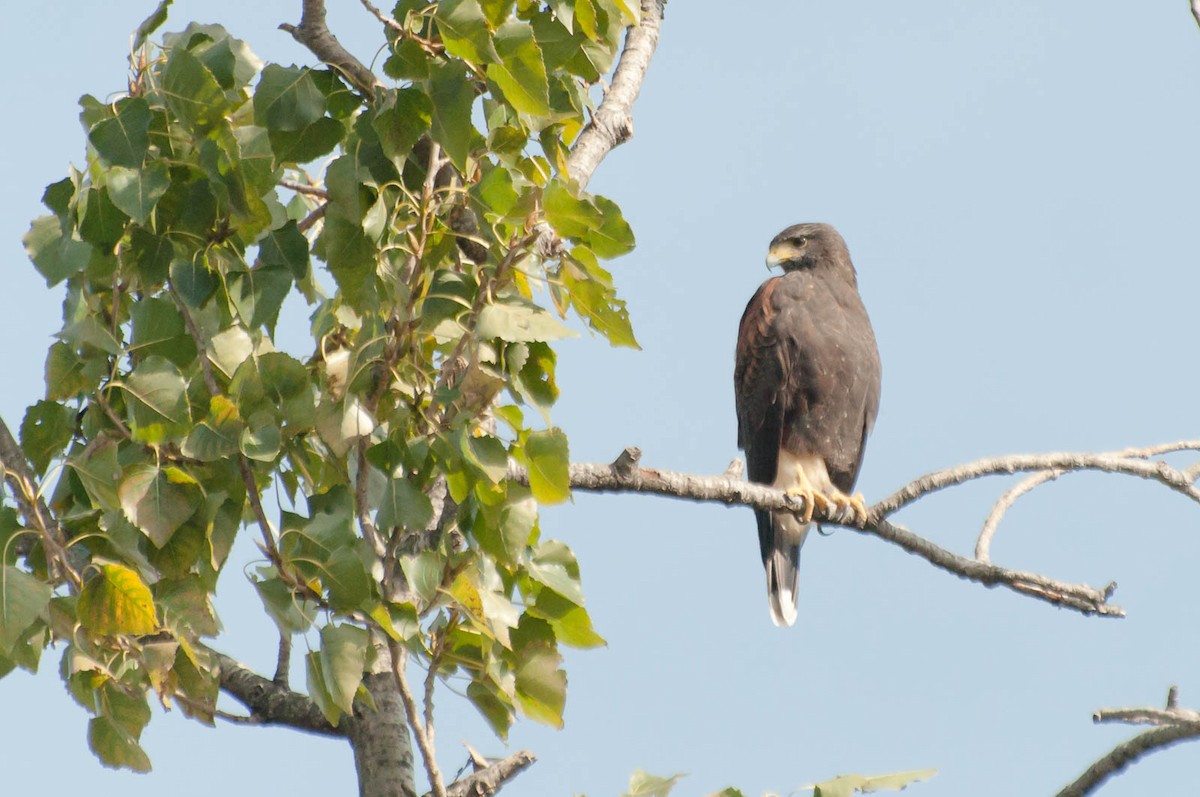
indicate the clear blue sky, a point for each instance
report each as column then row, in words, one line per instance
column 1018, row 183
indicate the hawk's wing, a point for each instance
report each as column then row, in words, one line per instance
column 758, row 380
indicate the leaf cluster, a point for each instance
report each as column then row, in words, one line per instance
column 413, row 223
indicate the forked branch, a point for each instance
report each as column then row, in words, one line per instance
column 1171, row 726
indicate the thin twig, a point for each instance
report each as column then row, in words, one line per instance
column 304, row 188
column 24, row 487
column 271, row 703
column 387, row 21
column 419, row 729
column 1003, row 504
column 310, row 221
column 1132, row 462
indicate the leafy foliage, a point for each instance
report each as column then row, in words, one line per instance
column 214, row 192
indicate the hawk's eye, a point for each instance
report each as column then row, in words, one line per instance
column 800, row 242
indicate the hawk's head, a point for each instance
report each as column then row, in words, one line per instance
column 809, row 246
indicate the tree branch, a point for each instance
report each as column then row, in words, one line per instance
column 269, row 702
column 420, row 730
column 488, row 781
column 612, row 123
column 625, row 476
column 1196, row 10
column 1174, row 725
column 314, row 34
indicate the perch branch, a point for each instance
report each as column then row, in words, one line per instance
column 626, row 476
column 1003, row 504
column 270, row 703
column 314, row 34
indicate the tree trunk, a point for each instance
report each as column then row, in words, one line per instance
column 382, row 747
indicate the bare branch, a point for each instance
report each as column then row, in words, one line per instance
column 419, row 729
column 1003, row 504
column 283, row 661
column 1125, row 754
column 314, row 34
column 1131, row 462
column 488, row 781
column 612, row 124
column 624, row 476
column 1196, row 10
column 268, row 702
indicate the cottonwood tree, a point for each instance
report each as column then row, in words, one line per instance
column 436, row 219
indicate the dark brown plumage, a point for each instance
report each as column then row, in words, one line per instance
column 806, row 387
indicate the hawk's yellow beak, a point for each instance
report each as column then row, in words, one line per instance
column 780, row 253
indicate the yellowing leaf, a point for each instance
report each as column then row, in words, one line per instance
column 117, row 601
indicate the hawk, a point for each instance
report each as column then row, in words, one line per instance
column 806, row 386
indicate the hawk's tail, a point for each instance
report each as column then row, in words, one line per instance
column 782, row 562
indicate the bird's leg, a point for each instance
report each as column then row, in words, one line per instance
column 813, row 499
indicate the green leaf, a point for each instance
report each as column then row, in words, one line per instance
column 496, row 11
column 287, row 99
column 404, row 505
column 135, row 192
column 531, row 371
column 452, row 97
column 570, row 216
column 495, row 709
column 553, row 565
column 343, row 660
column 350, row 255
column 46, row 430
column 124, row 139
column 408, row 62
column 302, row 146
column 115, row 747
column 151, row 256
column 155, row 503
column 402, row 124
column 54, row 255
column 424, row 573
column 541, row 686
column 99, row 472
column 194, row 280
column 613, row 237
column 158, row 329
column 102, row 223
column 465, row 31
column 643, row 784
column 66, row 374
column 548, row 462
column 158, row 399
column 117, row 601
column 571, row 623
column 287, row 248
column 258, row 294
column 317, row 690
column 291, row 614
column 150, row 24
column 192, row 92
column 23, row 600
column 521, row 72
column 848, row 785
column 520, row 323
column 218, row 435
column 495, row 191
